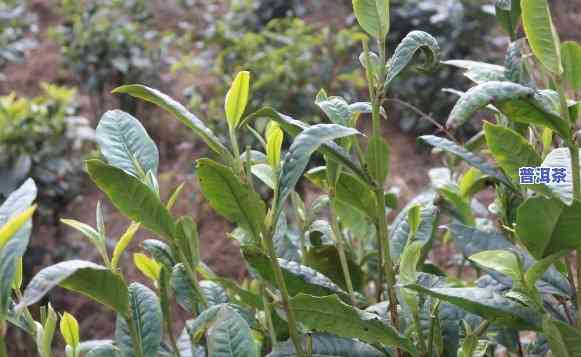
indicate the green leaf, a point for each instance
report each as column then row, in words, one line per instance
column 329, row 314
column 299, row 153
column 400, row 229
column 541, row 34
column 336, row 108
column 355, row 193
column 125, row 144
column 132, row 197
column 187, row 241
column 538, row 269
column 213, row 292
column 185, row 295
column 571, row 52
column 466, row 155
column 161, row 252
column 147, row 266
column 298, row 278
column 325, row 259
column 377, row 158
column 294, row 127
column 18, row 201
column 122, row 244
column 482, row 95
column 404, row 53
column 237, row 98
column 373, row 17
column 503, row 261
column 69, row 328
column 230, row 197
column 510, row 149
column 146, row 318
column 167, row 103
column 479, row 72
column 45, row 333
column 326, row 345
column 488, row 304
column 230, row 336
column 89, row 279
column 14, row 224
column 104, row 351
column 274, row 138
column 265, row 173
column 561, row 157
column 564, row 340
column 557, row 230
column 87, row 231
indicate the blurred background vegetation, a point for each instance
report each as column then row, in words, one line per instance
column 59, row 59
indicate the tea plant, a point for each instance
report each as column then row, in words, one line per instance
column 108, row 43
column 42, row 137
column 15, row 24
column 332, row 277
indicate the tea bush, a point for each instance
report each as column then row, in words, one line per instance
column 108, row 43
column 333, row 277
column 43, row 138
column 15, row 23
column 296, row 60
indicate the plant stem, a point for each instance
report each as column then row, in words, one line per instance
column 576, row 177
column 236, row 149
column 292, row 323
column 268, row 315
column 338, row 235
column 383, row 236
column 193, row 278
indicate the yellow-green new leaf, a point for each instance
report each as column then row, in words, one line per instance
column 373, row 16
column 541, row 34
column 14, row 224
column 274, row 138
column 149, row 267
column 237, row 98
column 502, row 261
column 17, row 282
column 70, row 330
column 122, row 244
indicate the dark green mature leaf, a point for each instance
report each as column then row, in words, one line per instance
column 185, row 294
column 466, row 155
column 571, row 52
column 561, row 157
column 89, row 279
column 355, row 193
column 541, row 34
column 557, row 230
column 503, row 261
column 146, row 317
column 125, row 144
column 336, row 108
column 377, row 158
column 213, row 292
column 230, row 336
column 414, row 41
column 514, row 62
column 479, row 72
column 160, row 251
column 482, row 95
column 167, row 103
column 326, row 345
column 400, row 229
column 132, row 197
column 373, row 16
column 325, row 259
column 488, row 304
column 298, row 278
column 231, row 197
column 18, row 201
column 510, row 149
column 329, row 314
column 293, row 127
column 470, row 240
column 564, row 340
column 104, row 351
column 299, row 153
